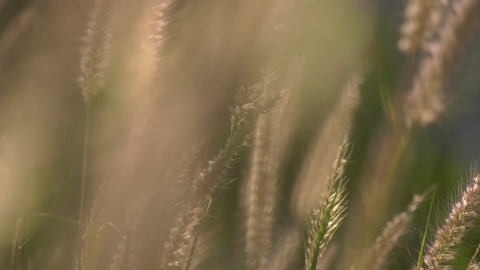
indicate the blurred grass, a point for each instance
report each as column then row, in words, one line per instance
column 138, row 137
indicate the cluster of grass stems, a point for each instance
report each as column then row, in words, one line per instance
column 286, row 217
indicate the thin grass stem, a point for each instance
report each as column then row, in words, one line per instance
column 424, row 240
column 85, row 162
column 15, row 248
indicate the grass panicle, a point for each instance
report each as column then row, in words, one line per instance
column 158, row 26
column 415, row 24
column 262, row 187
column 324, row 151
column 442, row 251
column 325, row 219
column 426, row 101
column 377, row 256
column 95, row 51
column 247, row 107
column 263, row 183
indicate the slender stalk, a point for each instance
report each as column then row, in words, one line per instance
column 85, row 161
column 424, row 240
column 248, row 106
column 15, row 248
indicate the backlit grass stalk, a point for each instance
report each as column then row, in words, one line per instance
column 421, row 253
column 473, row 264
column 312, row 183
column 263, row 184
column 325, row 220
column 160, row 19
column 258, row 216
column 248, row 107
column 376, row 258
column 93, row 63
column 426, row 100
column 441, row 253
column 414, row 27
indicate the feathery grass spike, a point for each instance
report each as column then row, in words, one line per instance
column 416, row 22
column 247, row 107
column 261, row 187
column 312, row 181
column 426, row 100
column 441, row 253
column 473, row 261
column 325, row 220
column 95, row 51
column 376, row 258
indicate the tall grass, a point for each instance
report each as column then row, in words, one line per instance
column 162, row 134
